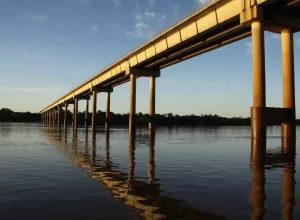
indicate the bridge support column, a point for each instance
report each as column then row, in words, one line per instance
column 94, row 111
column 65, row 115
column 288, row 128
column 132, row 104
column 75, row 113
column 152, row 119
column 142, row 72
column 53, row 117
column 58, row 115
column 258, row 122
column 86, row 117
column 50, row 118
column 107, row 122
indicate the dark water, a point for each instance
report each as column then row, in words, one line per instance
column 180, row 173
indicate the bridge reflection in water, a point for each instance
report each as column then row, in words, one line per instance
column 148, row 198
column 261, row 160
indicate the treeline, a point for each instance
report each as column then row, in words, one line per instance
column 7, row 115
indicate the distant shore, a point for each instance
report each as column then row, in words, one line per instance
column 7, row 115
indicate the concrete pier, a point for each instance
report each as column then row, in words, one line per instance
column 152, row 121
column 94, row 110
column 75, row 114
column 107, row 122
column 132, row 104
column 288, row 82
column 58, row 115
column 86, row 116
column 53, row 117
column 258, row 121
column 66, row 115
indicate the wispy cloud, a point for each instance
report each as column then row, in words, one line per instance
column 248, row 46
column 27, row 90
column 95, row 28
column 149, row 15
column 81, row 2
column 151, row 2
column 116, row 2
column 38, row 17
column 146, row 22
column 203, row 2
column 140, row 30
column 140, row 25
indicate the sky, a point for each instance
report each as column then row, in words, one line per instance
column 47, row 47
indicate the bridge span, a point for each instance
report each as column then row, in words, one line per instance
column 217, row 24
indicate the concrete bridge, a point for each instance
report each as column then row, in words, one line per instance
column 219, row 23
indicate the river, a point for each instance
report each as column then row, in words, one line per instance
column 176, row 173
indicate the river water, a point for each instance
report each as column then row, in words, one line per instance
column 178, row 173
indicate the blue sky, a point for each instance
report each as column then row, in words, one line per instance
column 48, row 47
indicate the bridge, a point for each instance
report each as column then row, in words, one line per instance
column 215, row 25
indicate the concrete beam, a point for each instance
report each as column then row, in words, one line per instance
column 278, row 21
column 83, row 97
column 95, row 89
column 72, row 101
column 143, row 72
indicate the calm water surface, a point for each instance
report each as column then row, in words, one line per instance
column 178, row 173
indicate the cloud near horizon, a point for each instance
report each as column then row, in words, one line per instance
column 38, row 17
column 95, row 28
column 29, row 90
column 81, row 2
column 117, row 2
